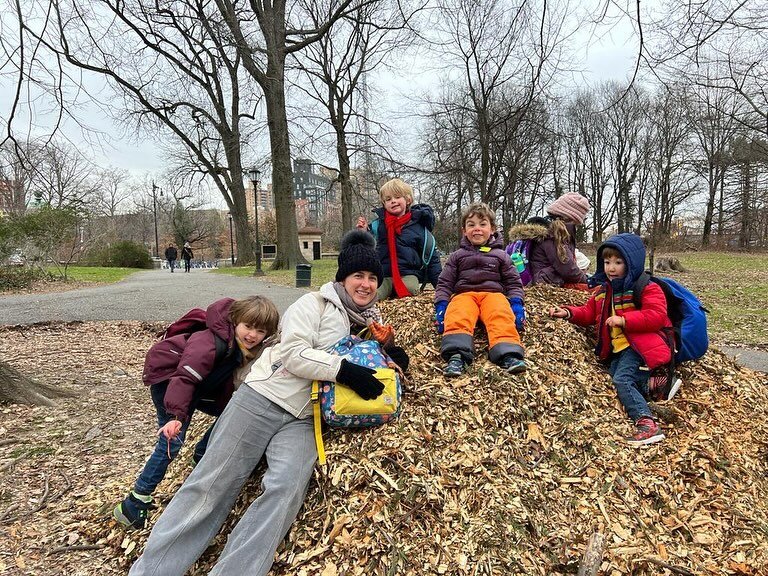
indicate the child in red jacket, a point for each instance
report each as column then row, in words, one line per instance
column 633, row 341
column 186, row 373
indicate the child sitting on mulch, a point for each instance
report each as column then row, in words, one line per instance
column 480, row 281
column 633, row 341
column 404, row 242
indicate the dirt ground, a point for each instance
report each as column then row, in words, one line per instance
column 50, row 456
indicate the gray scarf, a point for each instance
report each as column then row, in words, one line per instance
column 358, row 315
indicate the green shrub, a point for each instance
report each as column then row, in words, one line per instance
column 120, row 254
column 22, row 277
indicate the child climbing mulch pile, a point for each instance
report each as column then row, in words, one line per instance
column 488, row 473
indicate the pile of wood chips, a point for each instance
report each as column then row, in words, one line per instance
column 497, row 474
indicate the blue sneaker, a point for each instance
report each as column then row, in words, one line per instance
column 132, row 511
column 455, row 366
column 512, row 364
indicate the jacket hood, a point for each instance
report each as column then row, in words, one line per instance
column 632, row 249
column 217, row 319
column 420, row 213
column 495, row 241
column 526, row 231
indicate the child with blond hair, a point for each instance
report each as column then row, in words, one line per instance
column 404, row 241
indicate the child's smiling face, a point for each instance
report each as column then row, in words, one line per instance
column 478, row 230
column 395, row 205
column 249, row 336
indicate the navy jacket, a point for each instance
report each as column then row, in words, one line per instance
column 409, row 245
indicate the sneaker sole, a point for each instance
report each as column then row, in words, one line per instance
column 650, row 440
column 675, row 388
column 517, row 369
column 452, row 374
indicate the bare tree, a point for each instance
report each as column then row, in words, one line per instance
column 336, row 65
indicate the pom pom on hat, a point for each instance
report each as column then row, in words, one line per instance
column 572, row 206
column 358, row 254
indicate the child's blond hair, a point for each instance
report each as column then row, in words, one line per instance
column 255, row 311
column 397, row 189
column 481, row 210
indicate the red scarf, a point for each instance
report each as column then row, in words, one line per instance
column 394, row 226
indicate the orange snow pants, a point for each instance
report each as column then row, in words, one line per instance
column 493, row 309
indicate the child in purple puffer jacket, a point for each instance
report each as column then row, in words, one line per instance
column 196, row 371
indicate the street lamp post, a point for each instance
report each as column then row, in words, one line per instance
column 253, row 174
column 231, row 240
column 154, row 212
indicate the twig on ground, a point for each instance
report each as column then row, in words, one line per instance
column 670, row 567
column 76, row 548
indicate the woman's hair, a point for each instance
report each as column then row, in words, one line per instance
column 397, row 189
column 562, row 238
column 256, row 311
column 479, row 209
column 610, row 252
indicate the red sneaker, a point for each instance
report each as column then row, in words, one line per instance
column 647, row 431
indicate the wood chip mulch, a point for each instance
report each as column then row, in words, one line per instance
column 485, row 474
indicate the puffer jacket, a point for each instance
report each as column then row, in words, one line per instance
column 647, row 330
column 469, row 269
column 409, row 245
column 310, row 327
column 187, row 363
column 546, row 266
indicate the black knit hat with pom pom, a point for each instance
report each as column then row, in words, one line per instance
column 358, row 254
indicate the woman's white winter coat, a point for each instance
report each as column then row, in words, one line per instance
column 310, row 327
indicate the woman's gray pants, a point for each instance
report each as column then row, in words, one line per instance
column 250, row 426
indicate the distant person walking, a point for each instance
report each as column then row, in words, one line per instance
column 187, row 255
column 171, row 254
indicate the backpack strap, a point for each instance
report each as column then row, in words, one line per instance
column 221, row 348
column 428, row 248
column 638, row 287
column 375, row 229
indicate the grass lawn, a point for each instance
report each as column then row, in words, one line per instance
column 97, row 273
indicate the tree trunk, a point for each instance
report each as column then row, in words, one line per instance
column 288, row 253
column 16, row 388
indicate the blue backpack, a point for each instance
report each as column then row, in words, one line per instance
column 518, row 251
column 688, row 316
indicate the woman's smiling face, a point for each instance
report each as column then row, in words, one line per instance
column 361, row 287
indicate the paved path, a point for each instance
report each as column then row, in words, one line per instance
column 755, row 359
column 154, row 295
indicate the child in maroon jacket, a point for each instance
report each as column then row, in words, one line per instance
column 633, row 341
column 186, row 373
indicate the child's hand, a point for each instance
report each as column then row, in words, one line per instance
column 170, row 430
column 616, row 322
column 557, row 312
column 361, row 222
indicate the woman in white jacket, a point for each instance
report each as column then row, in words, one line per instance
column 271, row 414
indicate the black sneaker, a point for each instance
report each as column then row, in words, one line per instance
column 132, row 511
column 512, row 364
column 455, row 366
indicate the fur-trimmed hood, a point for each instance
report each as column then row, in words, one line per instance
column 525, row 231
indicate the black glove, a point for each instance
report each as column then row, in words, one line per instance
column 360, row 379
column 399, row 356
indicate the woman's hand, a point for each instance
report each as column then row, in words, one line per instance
column 557, row 312
column 616, row 321
column 170, row 430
